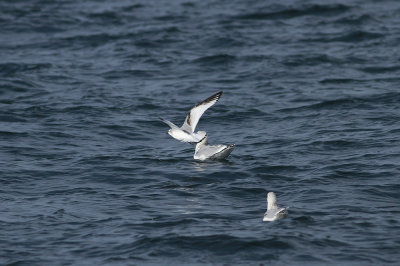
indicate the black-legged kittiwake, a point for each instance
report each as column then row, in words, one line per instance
column 204, row 151
column 273, row 211
column 186, row 133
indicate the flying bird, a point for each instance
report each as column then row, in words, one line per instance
column 186, row 133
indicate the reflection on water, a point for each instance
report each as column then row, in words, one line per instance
column 206, row 165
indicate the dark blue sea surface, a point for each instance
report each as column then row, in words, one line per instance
column 89, row 175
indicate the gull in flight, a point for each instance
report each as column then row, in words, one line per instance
column 186, row 133
column 204, row 151
column 273, row 211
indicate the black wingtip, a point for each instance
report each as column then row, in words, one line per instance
column 215, row 97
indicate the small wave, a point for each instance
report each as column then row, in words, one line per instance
column 354, row 36
column 338, row 103
column 71, row 191
column 10, row 88
column 354, row 20
column 156, row 223
column 358, row 36
column 171, row 18
column 117, row 74
column 147, row 106
column 243, row 114
column 312, row 10
column 224, row 42
column 311, row 60
column 243, row 192
column 215, row 59
column 275, row 169
column 218, row 244
column 351, row 102
column 339, row 80
column 8, row 117
column 132, row 7
column 105, row 15
column 381, row 69
column 336, row 144
column 154, row 43
column 335, row 103
column 8, row 69
column 81, row 109
column 90, row 40
column 8, row 134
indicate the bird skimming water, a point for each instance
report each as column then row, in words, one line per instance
column 204, row 151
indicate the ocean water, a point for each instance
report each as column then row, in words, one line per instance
column 89, row 175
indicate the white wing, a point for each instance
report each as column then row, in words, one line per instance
column 222, row 154
column 172, row 125
column 197, row 111
column 214, row 152
column 209, row 151
column 274, row 214
column 281, row 211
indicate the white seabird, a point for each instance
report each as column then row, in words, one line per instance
column 186, row 133
column 204, row 151
column 273, row 211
